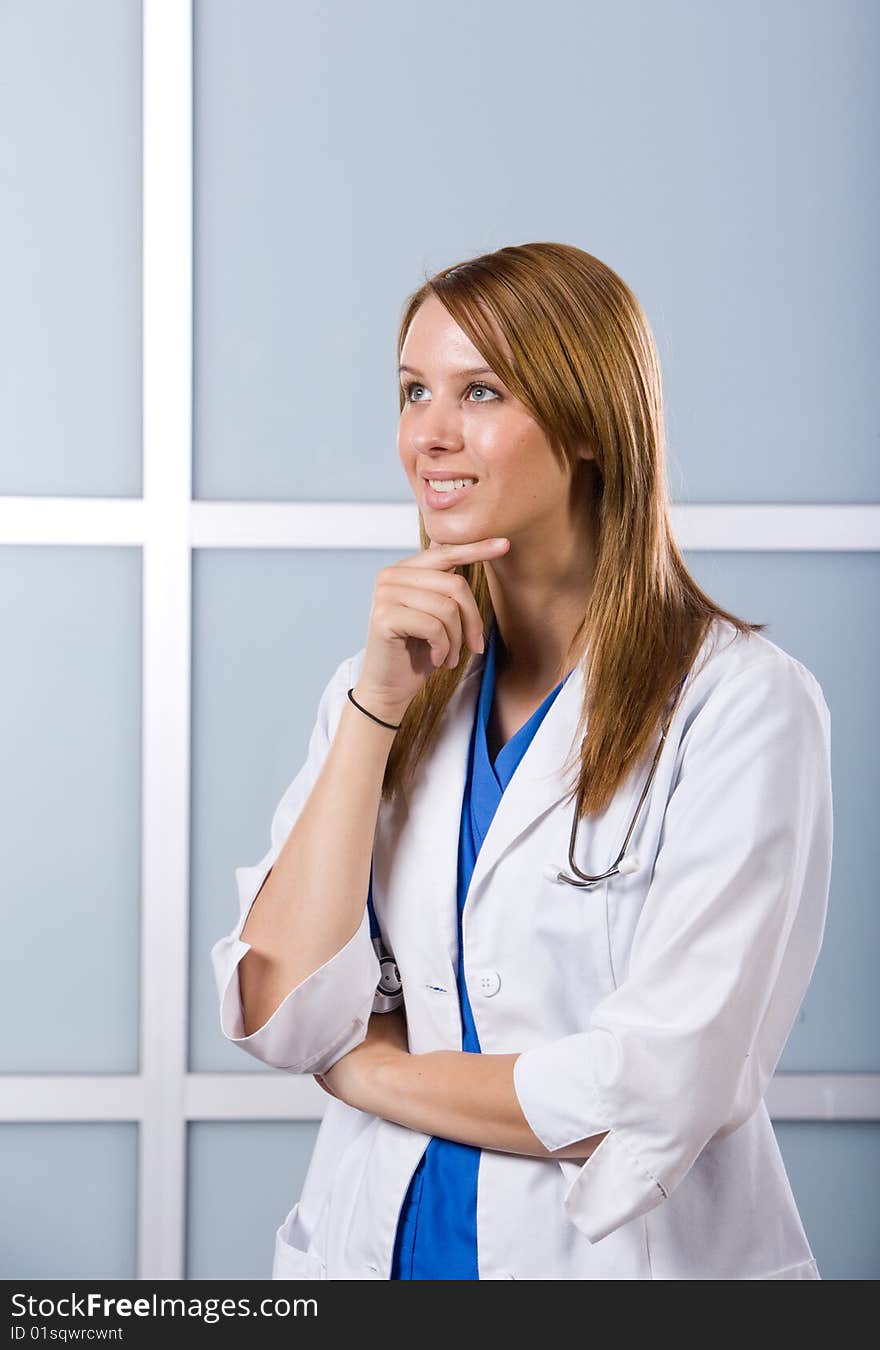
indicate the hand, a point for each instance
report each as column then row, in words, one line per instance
column 422, row 615
column 349, row 1079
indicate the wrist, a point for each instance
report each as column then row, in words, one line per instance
column 387, row 710
column 383, row 1085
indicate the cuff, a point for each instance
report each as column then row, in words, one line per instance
column 557, row 1088
column 610, row 1189
column 557, row 1091
column 319, row 1021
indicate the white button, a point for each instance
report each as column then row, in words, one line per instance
column 488, row 982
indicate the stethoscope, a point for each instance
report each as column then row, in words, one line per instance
column 625, row 862
column 389, row 990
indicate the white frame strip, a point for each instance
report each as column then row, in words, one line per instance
column 391, row 525
column 164, row 1096
column 267, row 1095
column 167, row 460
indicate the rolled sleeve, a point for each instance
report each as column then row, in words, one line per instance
column 723, row 953
column 327, row 1014
column 560, row 1118
column 319, row 1021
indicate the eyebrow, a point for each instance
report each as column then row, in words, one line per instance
column 475, row 370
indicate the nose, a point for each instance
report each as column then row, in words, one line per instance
column 437, row 427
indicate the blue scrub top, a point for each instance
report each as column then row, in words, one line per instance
column 437, row 1229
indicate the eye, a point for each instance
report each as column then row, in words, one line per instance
column 477, row 384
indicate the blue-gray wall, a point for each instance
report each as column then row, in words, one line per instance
column 720, row 157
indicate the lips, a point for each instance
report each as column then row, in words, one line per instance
column 446, row 477
column 439, row 501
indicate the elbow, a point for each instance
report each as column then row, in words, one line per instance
column 316, row 1023
column 288, row 1043
column 276, row 1054
column 258, row 1004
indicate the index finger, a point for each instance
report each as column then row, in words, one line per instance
column 453, row 555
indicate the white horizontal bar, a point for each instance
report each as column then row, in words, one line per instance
column 263, row 1095
column 267, row 1095
column 271, row 1096
column 777, row 528
column 72, row 1097
column 824, row 1096
column 72, row 520
column 305, row 525
column 393, row 525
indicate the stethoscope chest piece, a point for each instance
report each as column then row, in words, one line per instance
column 389, row 990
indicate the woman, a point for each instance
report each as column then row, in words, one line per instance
column 572, row 1086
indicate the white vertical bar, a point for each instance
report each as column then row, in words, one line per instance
column 167, row 396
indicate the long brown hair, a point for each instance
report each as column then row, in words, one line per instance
column 585, row 365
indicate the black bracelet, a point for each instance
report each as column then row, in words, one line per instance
column 390, row 725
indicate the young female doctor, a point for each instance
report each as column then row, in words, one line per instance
column 546, row 1006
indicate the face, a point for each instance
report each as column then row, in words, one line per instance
column 460, row 421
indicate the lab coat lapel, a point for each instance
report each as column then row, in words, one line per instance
column 434, row 812
column 538, row 782
column 435, row 801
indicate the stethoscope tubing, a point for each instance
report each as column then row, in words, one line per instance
column 622, row 865
column 389, row 991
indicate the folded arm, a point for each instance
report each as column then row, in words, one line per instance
column 681, row 1052
column 466, row 1097
column 469, row 1098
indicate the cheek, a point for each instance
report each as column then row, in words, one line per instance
column 500, row 453
column 406, row 457
column 520, row 466
column 512, row 444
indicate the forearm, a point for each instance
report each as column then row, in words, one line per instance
column 314, row 897
column 469, row 1098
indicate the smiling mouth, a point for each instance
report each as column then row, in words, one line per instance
column 449, row 484
column 452, row 491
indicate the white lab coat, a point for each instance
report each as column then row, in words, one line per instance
column 655, row 1006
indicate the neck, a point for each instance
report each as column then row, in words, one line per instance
column 539, row 600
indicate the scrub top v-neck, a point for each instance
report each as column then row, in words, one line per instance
column 437, row 1229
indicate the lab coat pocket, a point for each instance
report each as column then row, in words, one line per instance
column 293, row 1259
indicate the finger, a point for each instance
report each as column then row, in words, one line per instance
column 447, row 556
column 420, row 622
column 444, row 607
column 444, row 583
